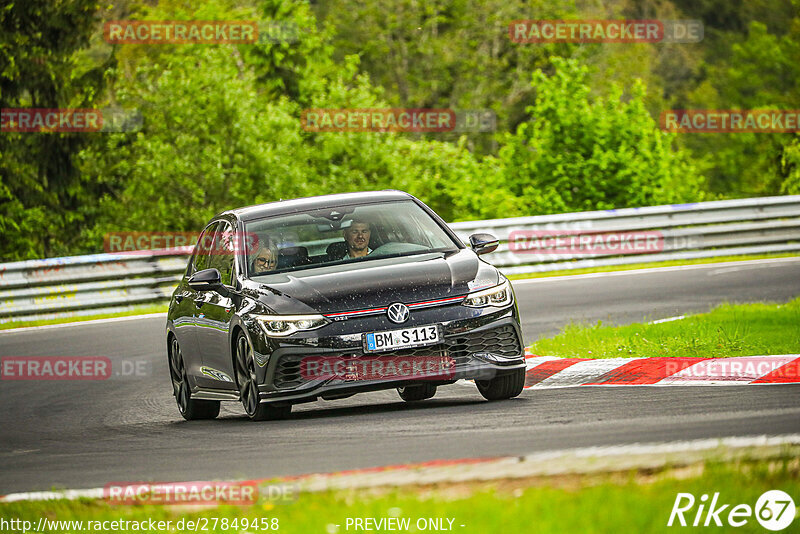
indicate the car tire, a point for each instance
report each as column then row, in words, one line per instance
column 417, row 393
column 191, row 409
column 248, row 385
column 505, row 386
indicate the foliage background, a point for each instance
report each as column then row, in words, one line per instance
column 576, row 128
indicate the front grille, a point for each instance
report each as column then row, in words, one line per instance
column 502, row 341
column 288, row 371
column 434, row 350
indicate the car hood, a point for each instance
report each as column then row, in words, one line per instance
column 375, row 283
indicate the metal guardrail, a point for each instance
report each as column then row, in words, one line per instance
column 700, row 230
column 104, row 283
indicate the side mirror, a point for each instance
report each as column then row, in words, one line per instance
column 483, row 243
column 206, row 280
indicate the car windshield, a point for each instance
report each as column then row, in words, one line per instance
column 343, row 234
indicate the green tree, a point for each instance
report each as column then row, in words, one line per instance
column 580, row 153
column 222, row 129
column 790, row 163
column 447, row 53
column 41, row 189
column 762, row 73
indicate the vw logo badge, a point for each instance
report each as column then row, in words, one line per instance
column 398, row 312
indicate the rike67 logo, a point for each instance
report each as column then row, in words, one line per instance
column 774, row 510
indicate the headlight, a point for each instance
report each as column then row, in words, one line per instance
column 499, row 296
column 285, row 325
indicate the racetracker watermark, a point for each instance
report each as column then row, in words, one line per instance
column 747, row 368
column 278, row 32
column 199, row 492
column 398, row 120
column 71, row 368
column 132, row 493
column 177, row 243
column 570, row 242
column 774, row 510
column 198, row 32
column 606, row 31
column 180, row 31
column 730, row 120
column 44, row 120
column 378, row 368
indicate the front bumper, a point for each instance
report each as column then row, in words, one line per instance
column 480, row 347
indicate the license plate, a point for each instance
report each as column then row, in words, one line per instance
column 403, row 338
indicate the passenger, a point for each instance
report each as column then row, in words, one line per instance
column 266, row 258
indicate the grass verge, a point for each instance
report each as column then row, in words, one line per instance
column 636, row 266
column 728, row 330
column 630, row 501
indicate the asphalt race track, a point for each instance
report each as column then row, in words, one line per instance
column 74, row 434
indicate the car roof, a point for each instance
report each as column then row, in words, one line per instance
column 283, row 207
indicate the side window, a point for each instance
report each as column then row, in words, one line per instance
column 202, row 251
column 222, row 257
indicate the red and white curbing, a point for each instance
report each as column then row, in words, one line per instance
column 552, row 372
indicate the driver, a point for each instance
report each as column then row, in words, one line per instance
column 357, row 238
column 266, row 258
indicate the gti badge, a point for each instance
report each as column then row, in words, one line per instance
column 398, row 312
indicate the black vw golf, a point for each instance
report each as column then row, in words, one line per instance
column 329, row 296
